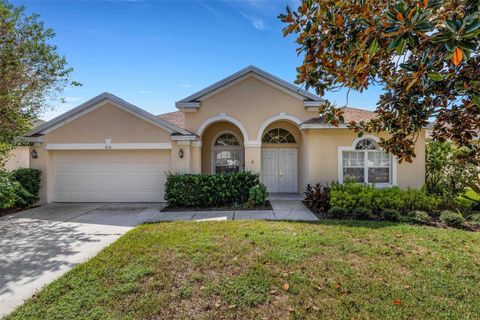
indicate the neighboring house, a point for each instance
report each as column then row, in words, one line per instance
column 19, row 157
column 110, row 150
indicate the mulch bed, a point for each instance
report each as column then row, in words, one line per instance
column 434, row 223
column 266, row 206
column 10, row 211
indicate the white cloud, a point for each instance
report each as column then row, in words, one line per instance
column 211, row 9
column 184, row 85
column 257, row 23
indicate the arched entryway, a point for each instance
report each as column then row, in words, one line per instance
column 280, row 143
column 223, row 150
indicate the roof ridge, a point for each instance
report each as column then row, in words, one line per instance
column 139, row 112
column 193, row 98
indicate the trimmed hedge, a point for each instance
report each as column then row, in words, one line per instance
column 352, row 196
column 203, row 191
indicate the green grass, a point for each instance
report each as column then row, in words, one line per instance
column 272, row 270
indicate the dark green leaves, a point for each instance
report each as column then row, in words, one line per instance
column 435, row 76
column 425, row 54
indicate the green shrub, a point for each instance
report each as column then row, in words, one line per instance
column 339, row 212
column 317, row 198
column 29, row 179
column 362, row 213
column 257, row 195
column 201, row 191
column 356, row 195
column 475, row 220
column 391, row 215
column 447, row 175
column 420, row 217
column 451, row 218
column 351, row 195
column 8, row 190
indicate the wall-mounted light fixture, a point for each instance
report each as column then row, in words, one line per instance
column 180, row 153
column 34, row 154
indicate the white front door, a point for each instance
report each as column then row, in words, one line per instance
column 279, row 169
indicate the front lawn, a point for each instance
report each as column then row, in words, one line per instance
column 272, row 270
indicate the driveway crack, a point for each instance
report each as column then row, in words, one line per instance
column 84, row 213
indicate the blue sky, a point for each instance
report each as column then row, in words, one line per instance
column 153, row 53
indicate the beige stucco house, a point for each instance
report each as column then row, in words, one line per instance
column 110, row 150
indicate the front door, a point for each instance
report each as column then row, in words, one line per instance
column 279, row 169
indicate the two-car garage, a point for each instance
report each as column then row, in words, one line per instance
column 110, row 175
column 107, row 150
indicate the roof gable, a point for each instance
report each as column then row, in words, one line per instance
column 193, row 101
column 97, row 101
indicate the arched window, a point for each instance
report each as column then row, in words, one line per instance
column 277, row 136
column 367, row 163
column 366, row 144
column 227, row 154
column 227, row 139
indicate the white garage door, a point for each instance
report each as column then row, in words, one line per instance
column 110, row 176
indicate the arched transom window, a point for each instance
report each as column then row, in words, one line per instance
column 277, row 136
column 367, row 163
column 227, row 154
column 227, row 139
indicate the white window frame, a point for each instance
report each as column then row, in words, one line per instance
column 392, row 159
column 215, row 148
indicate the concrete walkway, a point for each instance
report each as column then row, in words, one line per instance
column 292, row 210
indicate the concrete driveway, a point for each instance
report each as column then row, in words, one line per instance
column 39, row 245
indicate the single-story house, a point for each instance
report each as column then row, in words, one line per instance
column 107, row 149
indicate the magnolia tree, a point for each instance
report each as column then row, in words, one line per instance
column 424, row 54
column 31, row 72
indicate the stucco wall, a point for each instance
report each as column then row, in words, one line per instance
column 44, row 163
column 252, row 102
column 18, row 158
column 321, row 158
column 111, row 122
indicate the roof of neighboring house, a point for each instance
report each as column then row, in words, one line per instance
column 90, row 104
column 192, row 101
column 351, row 114
column 176, row 117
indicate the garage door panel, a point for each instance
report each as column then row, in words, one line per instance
column 112, row 168
column 110, row 176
